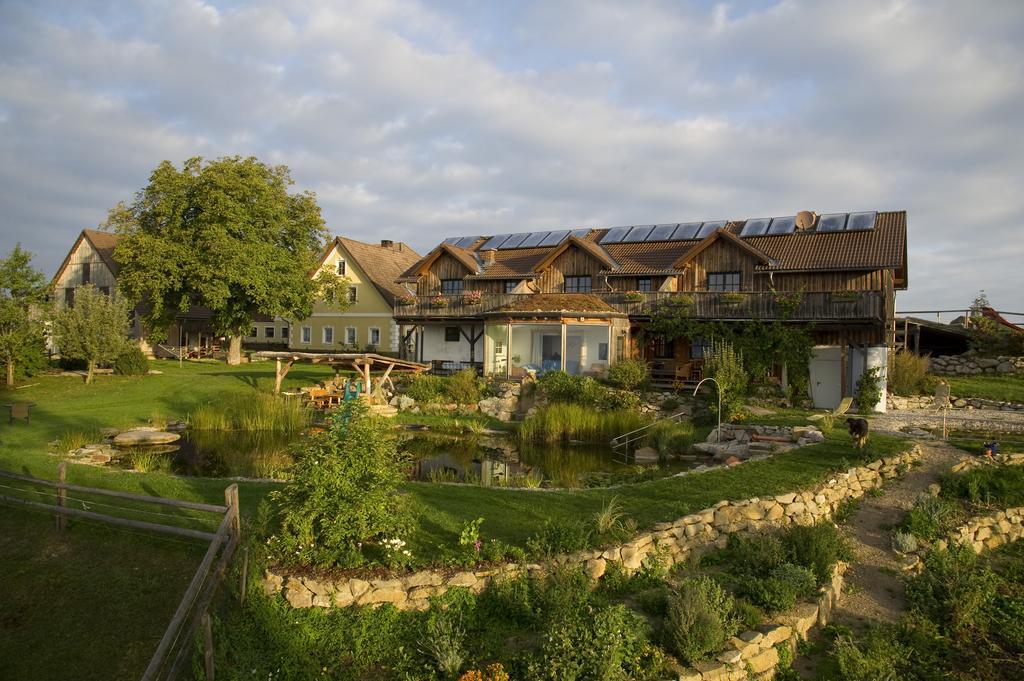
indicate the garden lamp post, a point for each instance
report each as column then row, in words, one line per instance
column 718, row 431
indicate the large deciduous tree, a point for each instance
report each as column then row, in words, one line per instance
column 225, row 235
column 23, row 291
column 94, row 329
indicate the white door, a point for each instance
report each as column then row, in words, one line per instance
column 826, row 377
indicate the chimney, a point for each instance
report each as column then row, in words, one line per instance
column 386, row 243
column 489, row 256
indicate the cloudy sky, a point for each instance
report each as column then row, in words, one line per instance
column 416, row 121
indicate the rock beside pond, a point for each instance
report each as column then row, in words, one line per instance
column 138, row 437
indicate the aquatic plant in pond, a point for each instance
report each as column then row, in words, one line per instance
column 256, row 411
column 563, row 422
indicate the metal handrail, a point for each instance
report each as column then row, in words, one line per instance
column 625, row 440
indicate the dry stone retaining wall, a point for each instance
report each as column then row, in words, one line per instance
column 969, row 364
column 670, row 542
column 926, row 402
column 988, row 532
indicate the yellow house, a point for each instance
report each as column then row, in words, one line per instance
column 368, row 323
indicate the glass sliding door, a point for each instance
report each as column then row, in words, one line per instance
column 586, row 349
column 535, row 348
column 496, row 350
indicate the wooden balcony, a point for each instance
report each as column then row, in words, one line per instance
column 739, row 306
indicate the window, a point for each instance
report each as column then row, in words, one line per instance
column 105, row 290
column 510, row 285
column 268, row 331
column 643, row 284
column 350, row 335
column 602, row 352
column 69, row 297
column 86, row 273
column 451, row 334
column 351, row 294
column 699, row 348
column 307, row 335
column 341, row 268
column 374, row 336
column 451, row 287
column 663, row 348
column 328, row 335
column 577, row 284
column 284, row 332
column 252, row 332
column 723, row 281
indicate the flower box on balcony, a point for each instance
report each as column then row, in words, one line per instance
column 633, row 297
column 472, row 298
column 732, row 298
column 681, row 301
column 438, row 302
column 405, row 300
column 845, row 296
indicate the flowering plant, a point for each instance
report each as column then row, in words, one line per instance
column 472, row 298
column 633, row 296
column 406, row 299
column 470, row 535
column 395, row 553
column 438, row 301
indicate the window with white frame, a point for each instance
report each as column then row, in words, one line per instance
column 341, row 267
column 374, row 335
column 307, row 334
column 328, row 335
column 350, row 335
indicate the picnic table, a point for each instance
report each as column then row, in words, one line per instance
column 19, row 410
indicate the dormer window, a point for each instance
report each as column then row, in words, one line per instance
column 451, row 287
column 341, row 268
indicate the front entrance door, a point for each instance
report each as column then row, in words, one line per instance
column 826, row 377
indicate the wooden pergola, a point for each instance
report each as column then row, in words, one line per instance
column 363, row 363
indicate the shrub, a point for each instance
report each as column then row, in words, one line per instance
column 930, row 517
column 612, row 400
column 816, row 547
column 869, row 390
column 908, row 374
column 748, row 615
column 464, row 387
column 627, row 374
column 493, row 672
column 756, row 555
column 879, row 655
column 131, row 362
column 700, row 619
column 1003, row 486
column 558, row 386
column 561, row 537
column 344, row 492
column 442, row 640
column 725, row 364
column 956, row 591
column 903, row 542
column 424, row 388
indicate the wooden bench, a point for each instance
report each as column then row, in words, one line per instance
column 19, row 410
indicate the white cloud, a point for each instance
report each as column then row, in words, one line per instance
column 416, row 120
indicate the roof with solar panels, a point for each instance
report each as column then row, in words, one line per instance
column 864, row 240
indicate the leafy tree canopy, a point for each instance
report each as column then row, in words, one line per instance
column 94, row 330
column 226, row 235
column 23, row 290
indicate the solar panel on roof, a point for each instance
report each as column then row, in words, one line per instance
column 686, row 230
column 453, row 239
column 832, row 222
column 534, row 239
column 709, row 227
column 638, row 233
column 580, row 233
column 467, row 241
column 862, row 220
column 555, row 238
column 514, row 241
column 614, row 235
column 755, row 227
column 785, row 225
column 495, row 241
column 661, row 232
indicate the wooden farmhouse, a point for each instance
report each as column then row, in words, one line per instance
column 577, row 300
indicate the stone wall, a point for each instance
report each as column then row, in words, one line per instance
column 969, row 364
column 988, row 532
column 670, row 542
column 895, row 402
column 755, row 652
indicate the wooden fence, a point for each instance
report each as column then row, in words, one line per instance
column 175, row 648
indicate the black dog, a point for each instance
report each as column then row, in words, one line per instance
column 858, row 431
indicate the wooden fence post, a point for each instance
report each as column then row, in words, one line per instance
column 231, row 501
column 208, row 646
column 245, row 576
column 62, row 495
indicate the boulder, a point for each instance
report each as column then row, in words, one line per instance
column 142, row 438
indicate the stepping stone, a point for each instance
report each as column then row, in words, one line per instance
column 141, row 438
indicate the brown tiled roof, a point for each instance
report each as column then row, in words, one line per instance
column 382, row 264
column 465, row 256
column 559, row 302
column 517, row 262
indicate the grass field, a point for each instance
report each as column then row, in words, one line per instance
column 1003, row 388
column 89, row 603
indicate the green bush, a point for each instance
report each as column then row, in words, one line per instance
column 612, row 400
column 956, row 591
column 816, row 547
column 755, row 555
column 443, row 640
column 748, row 615
column 930, row 518
column 627, row 374
column 561, row 537
column 425, row 388
column 464, row 387
column 869, row 390
column 558, row 386
column 343, row 498
column 700, row 619
column 879, row 655
column 1002, row 486
column 908, row 375
column 725, row 364
column 131, row 362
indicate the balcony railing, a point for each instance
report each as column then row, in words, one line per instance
column 816, row 306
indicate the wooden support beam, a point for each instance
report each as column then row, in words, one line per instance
column 281, row 372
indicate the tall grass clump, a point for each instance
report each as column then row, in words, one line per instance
column 145, row 461
column 908, row 374
column 71, row 440
column 252, row 412
column 671, row 438
column 572, row 422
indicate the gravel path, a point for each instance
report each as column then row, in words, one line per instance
column 956, row 419
column 874, row 588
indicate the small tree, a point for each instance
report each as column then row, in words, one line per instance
column 94, row 329
column 869, row 390
column 23, row 290
column 344, row 493
column 725, row 365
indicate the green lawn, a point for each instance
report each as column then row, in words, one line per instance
column 90, row 603
column 1003, row 388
